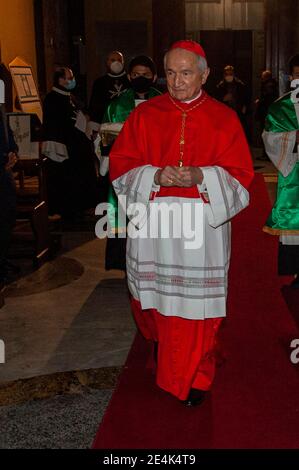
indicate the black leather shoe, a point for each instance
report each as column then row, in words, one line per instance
column 195, row 397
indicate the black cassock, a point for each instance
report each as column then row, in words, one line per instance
column 71, row 175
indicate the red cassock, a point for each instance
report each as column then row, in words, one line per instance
column 213, row 136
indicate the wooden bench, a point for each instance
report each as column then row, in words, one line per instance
column 32, row 208
column 32, row 205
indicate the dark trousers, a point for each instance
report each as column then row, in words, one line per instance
column 71, row 187
column 115, row 256
column 288, row 259
column 62, row 198
column 7, row 214
column 55, row 177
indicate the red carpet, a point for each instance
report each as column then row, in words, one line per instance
column 255, row 401
column 291, row 297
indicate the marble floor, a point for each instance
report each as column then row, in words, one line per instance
column 69, row 315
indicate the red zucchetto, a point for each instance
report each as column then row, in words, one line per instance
column 189, row 45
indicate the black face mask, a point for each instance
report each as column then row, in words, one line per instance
column 141, row 84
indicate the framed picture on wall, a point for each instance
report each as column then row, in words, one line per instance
column 25, row 86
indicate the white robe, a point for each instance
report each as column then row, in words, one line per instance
column 164, row 274
column 280, row 149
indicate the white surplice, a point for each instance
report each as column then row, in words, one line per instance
column 163, row 273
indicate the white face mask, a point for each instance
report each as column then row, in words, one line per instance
column 116, row 67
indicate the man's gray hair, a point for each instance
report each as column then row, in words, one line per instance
column 202, row 63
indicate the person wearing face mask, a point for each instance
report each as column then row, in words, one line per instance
column 106, row 88
column 234, row 93
column 142, row 76
column 281, row 140
column 70, row 170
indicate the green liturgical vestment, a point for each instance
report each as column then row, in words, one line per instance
column 282, row 124
column 118, row 111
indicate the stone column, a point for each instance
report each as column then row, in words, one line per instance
column 52, row 38
column 282, row 36
column 168, row 26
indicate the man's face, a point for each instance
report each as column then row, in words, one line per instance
column 229, row 76
column 184, row 78
column 295, row 73
column 67, row 78
column 114, row 57
column 266, row 75
column 141, row 71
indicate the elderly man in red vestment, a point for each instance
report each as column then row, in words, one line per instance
column 185, row 149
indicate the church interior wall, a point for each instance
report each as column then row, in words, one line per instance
column 113, row 15
column 17, row 32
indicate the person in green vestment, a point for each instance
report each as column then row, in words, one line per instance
column 281, row 139
column 142, row 75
